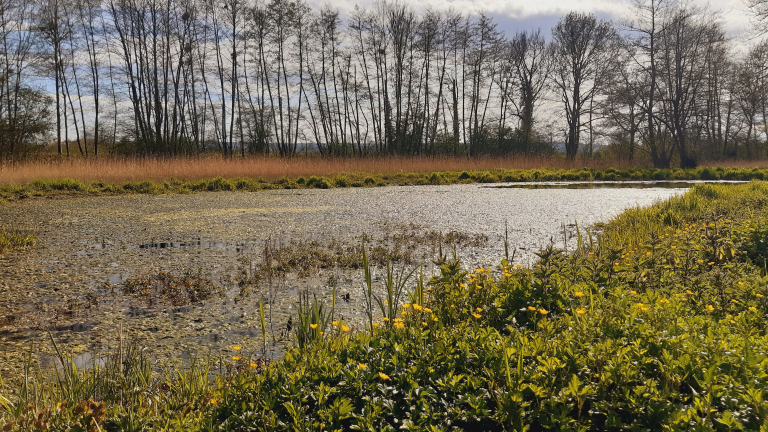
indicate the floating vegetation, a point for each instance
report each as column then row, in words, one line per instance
column 166, row 288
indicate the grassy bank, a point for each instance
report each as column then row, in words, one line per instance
column 660, row 324
column 156, row 184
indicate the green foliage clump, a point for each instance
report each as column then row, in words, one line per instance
column 15, row 240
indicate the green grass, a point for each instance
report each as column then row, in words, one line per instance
column 15, row 240
column 660, row 325
column 70, row 187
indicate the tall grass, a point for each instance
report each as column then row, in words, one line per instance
column 118, row 169
column 703, row 201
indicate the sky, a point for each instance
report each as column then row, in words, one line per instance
column 513, row 15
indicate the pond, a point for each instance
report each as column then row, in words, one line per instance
column 62, row 286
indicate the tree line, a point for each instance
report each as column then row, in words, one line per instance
column 276, row 76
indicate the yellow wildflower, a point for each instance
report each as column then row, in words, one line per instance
column 383, row 376
column 213, row 402
column 477, row 316
column 335, row 323
column 406, row 305
column 399, row 325
column 237, row 347
column 479, row 310
column 344, row 328
column 375, row 325
column 578, row 294
column 581, row 311
column 689, row 292
column 531, row 308
column 633, row 292
column 427, row 310
column 543, row 311
column 236, row 358
column 253, row 365
column 362, row 366
column 710, row 308
column 385, row 319
column 752, row 308
column 313, row 326
column 417, row 307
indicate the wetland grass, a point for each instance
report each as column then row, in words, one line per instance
column 80, row 177
column 657, row 324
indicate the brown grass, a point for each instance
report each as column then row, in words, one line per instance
column 116, row 170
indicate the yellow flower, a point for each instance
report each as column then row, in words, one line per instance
column 434, row 318
column 335, row 323
column 253, row 365
column 375, row 325
column 477, row 316
column 633, row 292
column 403, row 313
column 752, row 308
column 543, row 311
column 399, row 325
column 463, row 285
column 321, row 333
column 648, row 253
column 711, row 263
column 383, row 376
column 236, row 358
column 237, row 347
column 427, row 310
column 759, row 295
column 663, row 301
column 741, row 283
column 213, row 402
column 689, row 292
column 423, row 323
column 644, row 309
column 313, row 326
column 581, row 311
column 453, row 306
column 480, row 270
column 640, row 305
column 531, row 308
column 479, row 310
column 406, row 305
column 478, row 287
column 578, row 294
column 710, row 308
column 700, row 261
column 362, row 366
column 385, row 319
column 518, row 266
column 417, row 307
column 734, row 301
column 344, row 328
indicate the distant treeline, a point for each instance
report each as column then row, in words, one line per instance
column 255, row 77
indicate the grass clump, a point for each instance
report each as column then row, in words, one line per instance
column 166, row 288
column 665, row 330
column 15, row 240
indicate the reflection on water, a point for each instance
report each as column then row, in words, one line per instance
column 650, row 184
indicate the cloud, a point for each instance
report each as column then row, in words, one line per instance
column 526, row 14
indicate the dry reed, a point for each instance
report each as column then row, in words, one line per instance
column 116, row 170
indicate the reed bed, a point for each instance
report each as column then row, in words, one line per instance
column 125, row 169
